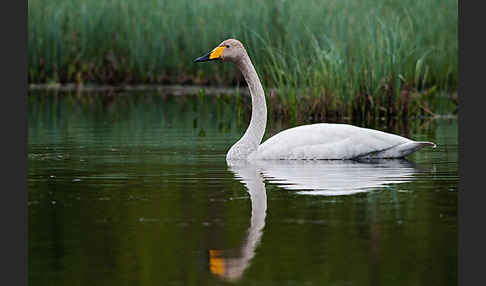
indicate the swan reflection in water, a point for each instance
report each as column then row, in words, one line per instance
column 337, row 177
column 232, row 268
column 318, row 177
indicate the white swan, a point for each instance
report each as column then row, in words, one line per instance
column 314, row 141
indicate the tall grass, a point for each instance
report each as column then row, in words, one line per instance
column 362, row 54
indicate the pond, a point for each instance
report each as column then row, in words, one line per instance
column 134, row 189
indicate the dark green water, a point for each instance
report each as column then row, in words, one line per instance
column 134, row 189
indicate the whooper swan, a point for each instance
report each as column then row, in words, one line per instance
column 313, row 141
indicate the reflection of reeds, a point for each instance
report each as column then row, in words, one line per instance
column 362, row 107
column 382, row 58
column 211, row 116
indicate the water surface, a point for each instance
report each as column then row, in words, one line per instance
column 134, row 189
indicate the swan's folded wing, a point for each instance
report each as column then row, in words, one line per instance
column 327, row 141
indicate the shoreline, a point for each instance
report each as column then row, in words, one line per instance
column 306, row 105
column 164, row 89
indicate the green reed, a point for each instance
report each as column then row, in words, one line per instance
column 361, row 56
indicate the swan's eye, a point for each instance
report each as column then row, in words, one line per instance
column 227, row 46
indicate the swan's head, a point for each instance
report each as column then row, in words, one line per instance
column 229, row 50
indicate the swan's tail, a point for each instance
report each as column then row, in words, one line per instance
column 405, row 149
column 401, row 150
column 425, row 144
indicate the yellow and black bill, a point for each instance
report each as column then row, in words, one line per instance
column 212, row 55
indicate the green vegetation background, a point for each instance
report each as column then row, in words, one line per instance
column 378, row 57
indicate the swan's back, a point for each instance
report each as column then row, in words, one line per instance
column 335, row 141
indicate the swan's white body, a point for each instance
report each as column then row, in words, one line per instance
column 334, row 141
column 307, row 142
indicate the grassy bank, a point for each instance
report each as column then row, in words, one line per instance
column 361, row 57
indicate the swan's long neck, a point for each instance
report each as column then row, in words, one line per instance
column 254, row 134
